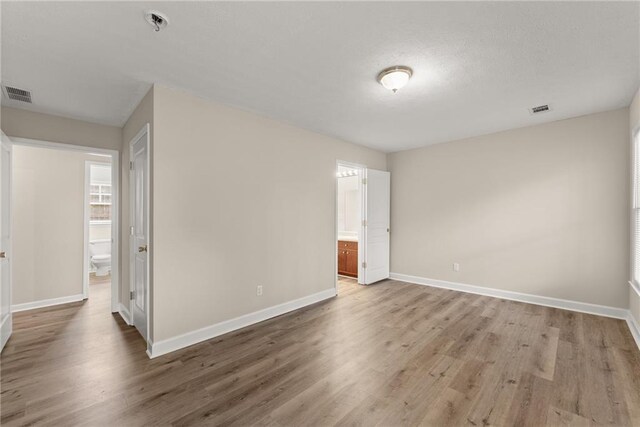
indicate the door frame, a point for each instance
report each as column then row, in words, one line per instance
column 6, row 324
column 87, row 222
column 115, row 204
column 635, row 146
column 362, row 168
column 145, row 129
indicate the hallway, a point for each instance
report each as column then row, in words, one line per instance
column 66, row 357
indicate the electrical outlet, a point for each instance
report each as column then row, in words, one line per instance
column 259, row 290
column 456, row 266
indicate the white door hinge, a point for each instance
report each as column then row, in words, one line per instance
column 364, row 265
column 364, row 181
column 364, row 222
column 130, row 166
column 131, row 230
column 132, row 294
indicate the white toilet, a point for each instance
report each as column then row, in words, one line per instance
column 100, row 253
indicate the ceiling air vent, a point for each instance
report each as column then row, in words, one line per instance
column 17, row 94
column 539, row 109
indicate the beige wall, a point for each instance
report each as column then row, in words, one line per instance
column 142, row 115
column 48, row 223
column 634, row 112
column 541, row 210
column 215, row 242
column 45, row 127
column 634, row 124
column 99, row 231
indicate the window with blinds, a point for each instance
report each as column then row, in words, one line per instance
column 636, row 209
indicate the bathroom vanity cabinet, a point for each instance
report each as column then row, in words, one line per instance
column 348, row 258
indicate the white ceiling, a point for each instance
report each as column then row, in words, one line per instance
column 478, row 66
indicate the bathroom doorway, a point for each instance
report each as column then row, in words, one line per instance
column 348, row 224
column 363, row 213
column 98, row 213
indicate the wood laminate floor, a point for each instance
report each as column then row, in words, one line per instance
column 99, row 280
column 389, row 354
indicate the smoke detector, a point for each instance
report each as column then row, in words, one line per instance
column 157, row 20
column 17, row 94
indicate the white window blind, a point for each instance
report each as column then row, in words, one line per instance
column 636, row 208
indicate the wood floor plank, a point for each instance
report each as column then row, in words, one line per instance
column 389, row 354
column 557, row 417
column 544, row 350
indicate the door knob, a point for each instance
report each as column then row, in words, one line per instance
column 142, row 248
column 3, row 254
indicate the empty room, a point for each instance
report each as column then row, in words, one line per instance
column 320, row 213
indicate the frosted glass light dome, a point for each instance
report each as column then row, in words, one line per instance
column 394, row 78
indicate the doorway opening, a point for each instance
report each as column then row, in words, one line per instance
column 363, row 213
column 64, row 225
column 98, row 199
column 349, row 224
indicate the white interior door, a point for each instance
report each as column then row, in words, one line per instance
column 139, row 202
column 5, row 241
column 377, row 214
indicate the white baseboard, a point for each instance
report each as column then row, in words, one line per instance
column 5, row 330
column 582, row 307
column 181, row 341
column 635, row 288
column 634, row 327
column 124, row 313
column 46, row 303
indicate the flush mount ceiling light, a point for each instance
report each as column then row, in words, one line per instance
column 157, row 20
column 394, row 78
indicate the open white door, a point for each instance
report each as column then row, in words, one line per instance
column 376, row 213
column 5, row 241
column 139, row 203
